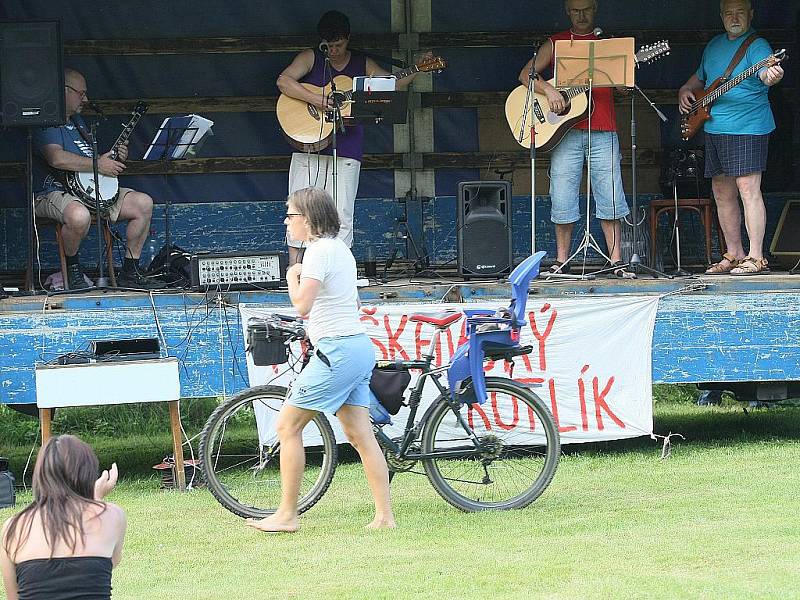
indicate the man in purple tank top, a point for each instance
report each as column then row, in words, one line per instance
column 316, row 170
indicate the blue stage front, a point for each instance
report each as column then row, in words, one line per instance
column 710, row 330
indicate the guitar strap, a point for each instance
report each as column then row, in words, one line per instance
column 83, row 133
column 737, row 58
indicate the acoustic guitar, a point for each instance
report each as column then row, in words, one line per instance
column 693, row 121
column 305, row 125
column 551, row 127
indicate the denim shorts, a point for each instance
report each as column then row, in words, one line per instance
column 567, row 170
column 338, row 373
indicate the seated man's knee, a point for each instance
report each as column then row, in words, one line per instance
column 77, row 217
column 141, row 204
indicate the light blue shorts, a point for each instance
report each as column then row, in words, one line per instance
column 338, row 373
column 567, row 169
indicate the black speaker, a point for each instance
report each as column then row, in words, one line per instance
column 785, row 245
column 31, row 74
column 484, row 228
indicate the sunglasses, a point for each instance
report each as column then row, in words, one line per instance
column 290, row 215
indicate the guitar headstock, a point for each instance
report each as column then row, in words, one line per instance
column 777, row 57
column 652, row 52
column 140, row 108
column 432, row 63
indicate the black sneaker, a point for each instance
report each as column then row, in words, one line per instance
column 76, row 280
column 135, row 280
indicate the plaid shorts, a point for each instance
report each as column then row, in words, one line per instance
column 735, row 155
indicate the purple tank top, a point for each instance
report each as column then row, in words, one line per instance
column 351, row 144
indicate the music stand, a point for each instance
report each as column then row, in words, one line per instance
column 380, row 107
column 177, row 138
column 593, row 63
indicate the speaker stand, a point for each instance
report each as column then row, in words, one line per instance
column 31, row 212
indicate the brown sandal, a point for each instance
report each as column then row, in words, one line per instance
column 723, row 269
column 751, row 266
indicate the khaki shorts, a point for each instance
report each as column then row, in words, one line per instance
column 53, row 205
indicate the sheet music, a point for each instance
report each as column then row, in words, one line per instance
column 378, row 83
column 195, row 129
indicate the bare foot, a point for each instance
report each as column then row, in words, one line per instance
column 274, row 524
column 381, row 524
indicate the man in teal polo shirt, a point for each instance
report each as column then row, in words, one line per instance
column 737, row 137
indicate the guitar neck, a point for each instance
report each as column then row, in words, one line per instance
column 731, row 83
column 576, row 91
column 126, row 133
column 406, row 72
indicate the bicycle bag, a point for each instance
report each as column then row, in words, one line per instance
column 267, row 346
column 7, row 492
column 388, row 386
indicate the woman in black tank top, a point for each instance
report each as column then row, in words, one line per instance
column 64, row 545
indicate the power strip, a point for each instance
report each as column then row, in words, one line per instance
column 238, row 270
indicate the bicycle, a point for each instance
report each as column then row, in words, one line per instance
column 473, row 461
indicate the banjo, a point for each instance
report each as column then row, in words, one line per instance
column 81, row 184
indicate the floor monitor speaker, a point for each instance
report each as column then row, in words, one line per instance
column 484, row 228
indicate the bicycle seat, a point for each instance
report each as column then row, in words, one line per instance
column 440, row 320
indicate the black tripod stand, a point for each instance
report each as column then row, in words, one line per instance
column 414, row 248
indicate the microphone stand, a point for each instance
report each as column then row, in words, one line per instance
column 635, row 262
column 529, row 100
column 337, row 120
column 102, row 280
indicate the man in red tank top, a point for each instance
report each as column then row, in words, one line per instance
column 567, row 158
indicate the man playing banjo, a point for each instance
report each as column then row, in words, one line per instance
column 68, row 148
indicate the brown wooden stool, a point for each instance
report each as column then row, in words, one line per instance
column 705, row 209
column 42, row 223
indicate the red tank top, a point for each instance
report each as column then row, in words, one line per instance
column 603, row 117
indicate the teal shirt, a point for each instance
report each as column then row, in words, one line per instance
column 743, row 110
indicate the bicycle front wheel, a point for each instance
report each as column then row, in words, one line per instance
column 242, row 468
column 518, row 456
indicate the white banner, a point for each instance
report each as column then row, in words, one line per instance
column 591, row 356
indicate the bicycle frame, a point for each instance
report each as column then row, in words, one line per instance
column 413, row 427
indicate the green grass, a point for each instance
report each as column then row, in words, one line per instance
column 716, row 520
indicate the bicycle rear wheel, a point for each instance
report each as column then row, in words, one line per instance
column 243, row 471
column 521, row 449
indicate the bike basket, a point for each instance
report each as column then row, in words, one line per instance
column 266, row 345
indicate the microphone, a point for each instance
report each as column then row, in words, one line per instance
column 597, row 31
column 96, row 109
column 323, row 47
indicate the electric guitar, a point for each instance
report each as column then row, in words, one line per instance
column 551, row 127
column 304, row 125
column 693, row 121
column 81, row 184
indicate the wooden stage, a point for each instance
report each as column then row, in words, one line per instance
column 708, row 329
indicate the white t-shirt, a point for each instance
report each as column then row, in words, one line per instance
column 335, row 309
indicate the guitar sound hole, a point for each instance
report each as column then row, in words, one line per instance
column 312, row 110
